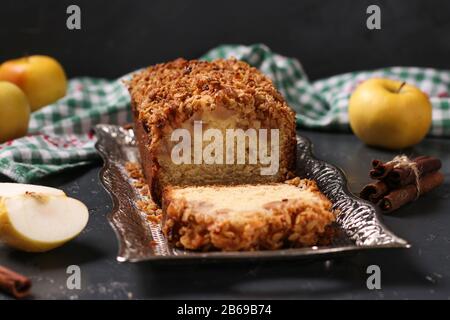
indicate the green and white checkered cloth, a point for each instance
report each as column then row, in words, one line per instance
column 61, row 137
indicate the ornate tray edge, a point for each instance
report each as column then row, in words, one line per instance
column 342, row 189
column 103, row 176
column 124, row 254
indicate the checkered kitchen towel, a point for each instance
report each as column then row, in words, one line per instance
column 61, row 136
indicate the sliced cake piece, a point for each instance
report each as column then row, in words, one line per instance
column 246, row 217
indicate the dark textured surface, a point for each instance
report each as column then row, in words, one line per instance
column 328, row 36
column 420, row 272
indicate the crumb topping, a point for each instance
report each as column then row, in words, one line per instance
column 204, row 225
column 175, row 90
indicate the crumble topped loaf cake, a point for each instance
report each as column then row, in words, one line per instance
column 246, row 217
column 223, row 94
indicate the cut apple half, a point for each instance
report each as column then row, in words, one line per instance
column 17, row 189
column 39, row 221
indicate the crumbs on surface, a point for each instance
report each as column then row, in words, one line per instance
column 154, row 213
column 134, row 170
column 153, row 243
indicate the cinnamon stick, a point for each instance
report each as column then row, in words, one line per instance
column 399, row 197
column 14, row 284
column 404, row 175
column 380, row 169
column 374, row 191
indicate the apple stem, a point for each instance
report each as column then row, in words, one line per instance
column 401, row 86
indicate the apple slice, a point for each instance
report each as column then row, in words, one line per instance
column 38, row 222
column 17, row 189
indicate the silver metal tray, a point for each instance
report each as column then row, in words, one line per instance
column 142, row 240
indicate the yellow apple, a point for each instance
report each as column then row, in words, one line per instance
column 14, row 112
column 37, row 219
column 42, row 79
column 389, row 114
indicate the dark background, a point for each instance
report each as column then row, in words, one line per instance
column 328, row 36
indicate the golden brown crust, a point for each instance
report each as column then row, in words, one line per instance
column 148, row 161
column 175, row 90
column 294, row 222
